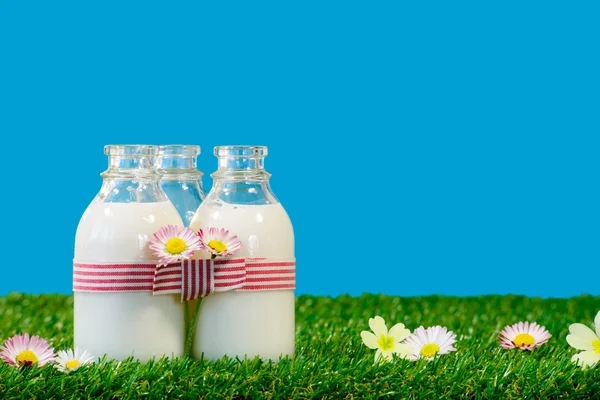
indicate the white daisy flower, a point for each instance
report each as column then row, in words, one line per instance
column 21, row 350
column 427, row 343
column 69, row 360
column 218, row 242
column 386, row 342
column 174, row 243
column 583, row 338
column 524, row 336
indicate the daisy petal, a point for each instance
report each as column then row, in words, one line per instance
column 597, row 323
column 421, row 335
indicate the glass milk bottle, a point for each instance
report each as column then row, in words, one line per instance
column 246, row 323
column 180, row 178
column 113, row 234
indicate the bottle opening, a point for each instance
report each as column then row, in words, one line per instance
column 178, row 150
column 241, row 151
column 129, row 150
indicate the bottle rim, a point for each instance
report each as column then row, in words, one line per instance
column 178, row 150
column 130, row 150
column 241, row 151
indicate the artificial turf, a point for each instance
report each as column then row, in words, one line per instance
column 330, row 361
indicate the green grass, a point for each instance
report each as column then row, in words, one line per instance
column 330, row 360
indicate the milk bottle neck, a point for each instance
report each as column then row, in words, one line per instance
column 130, row 162
column 235, row 191
column 241, row 177
column 131, row 176
column 178, row 163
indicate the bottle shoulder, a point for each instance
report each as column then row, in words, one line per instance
column 230, row 216
column 264, row 230
column 106, row 215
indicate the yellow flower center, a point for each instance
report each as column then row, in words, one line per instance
column 523, row 339
column 596, row 346
column 217, row 246
column 73, row 364
column 430, row 350
column 27, row 357
column 386, row 342
column 175, row 245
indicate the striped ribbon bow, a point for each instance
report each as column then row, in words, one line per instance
column 191, row 278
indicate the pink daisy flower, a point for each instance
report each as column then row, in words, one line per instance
column 21, row 350
column 218, row 242
column 524, row 336
column 174, row 243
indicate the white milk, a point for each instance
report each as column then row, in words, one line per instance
column 248, row 323
column 125, row 324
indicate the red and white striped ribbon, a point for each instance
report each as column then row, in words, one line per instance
column 123, row 277
column 264, row 274
column 191, row 278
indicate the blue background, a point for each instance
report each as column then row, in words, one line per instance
column 439, row 148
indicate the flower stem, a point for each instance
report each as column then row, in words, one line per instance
column 186, row 308
column 191, row 327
